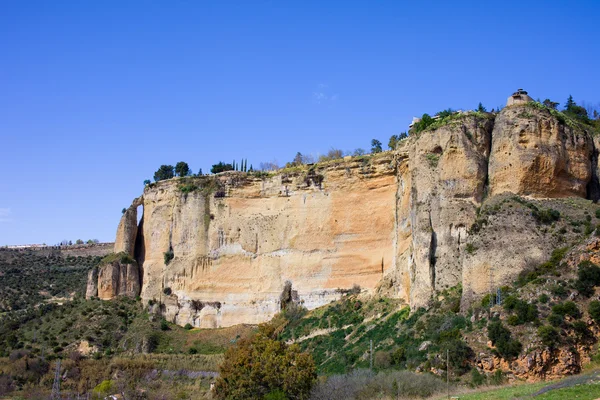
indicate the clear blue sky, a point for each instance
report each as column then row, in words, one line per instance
column 96, row 95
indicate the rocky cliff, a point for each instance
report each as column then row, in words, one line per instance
column 217, row 250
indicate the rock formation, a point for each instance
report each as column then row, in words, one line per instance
column 217, row 250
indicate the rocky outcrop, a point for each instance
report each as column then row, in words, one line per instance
column 117, row 275
column 535, row 154
column 128, row 229
column 92, row 284
column 217, row 250
column 441, row 186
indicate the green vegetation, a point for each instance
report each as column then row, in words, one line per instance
column 262, row 366
column 164, row 172
column 588, row 276
column 121, row 257
column 375, row 146
column 168, row 256
column 31, row 278
column 221, row 167
column 182, row 169
column 500, row 337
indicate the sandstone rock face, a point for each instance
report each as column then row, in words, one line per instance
column 323, row 230
column 118, row 279
column 128, row 228
column 446, row 170
column 92, row 284
column 399, row 222
column 534, row 154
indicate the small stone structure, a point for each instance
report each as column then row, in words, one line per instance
column 518, row 97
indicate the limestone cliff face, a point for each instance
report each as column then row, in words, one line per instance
column 534, row 154
column 127, row 230
column 116, row 276
column 441, row 184
column 235, row 245
column 399, row 222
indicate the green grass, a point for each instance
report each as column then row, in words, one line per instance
column 585, row 391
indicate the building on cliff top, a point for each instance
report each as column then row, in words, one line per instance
column 518, row 97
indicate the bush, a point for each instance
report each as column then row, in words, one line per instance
column 164, row 325
column 168, row 256
column 556, row 320
column 255, row 367
column 546, row 216
column 588, row 276
column 382, row 359
column 543, row 298
column 167, row 291
column 188, row 326
column 477, row 379
column 567, row 308
column 501, row 338
column 594, row 310
column 364, row 384
column 549, row 336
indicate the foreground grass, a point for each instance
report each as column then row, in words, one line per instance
column 578, row 388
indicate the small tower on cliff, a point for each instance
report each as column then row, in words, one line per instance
column 518, row 97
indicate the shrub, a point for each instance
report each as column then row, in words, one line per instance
column 501, row 338
column 543, row 298
column 477, row 379
column 105, row 387
column 594, row 310
column 567, row 308
column 546, row 216
column 588, row 276
column 255, row 367
column 167, row 291
column 581, row 330
column 556, row 320
column 549, row 336
column 382, row 359
column 164, row 325
column 188, row 326
column 497, row 378
column 168, row 256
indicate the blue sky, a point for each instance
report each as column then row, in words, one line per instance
column 95, row 96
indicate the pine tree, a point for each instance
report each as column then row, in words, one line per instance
column 570, row 103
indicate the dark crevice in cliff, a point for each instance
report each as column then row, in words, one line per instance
column 593, row 186
column 139, row 251
column 432, row 250
column 486, row 181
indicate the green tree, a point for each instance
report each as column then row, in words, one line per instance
column 164, row 172
column 550, row 104
column 570, row 103
column 481, row 108
column 260, row 366
column 147, row 182
column 425, row 121
column 393, row 141
column 79, row 241
column 221, row 167
column 182, row 168
column 298, row 159
column 375, row 146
